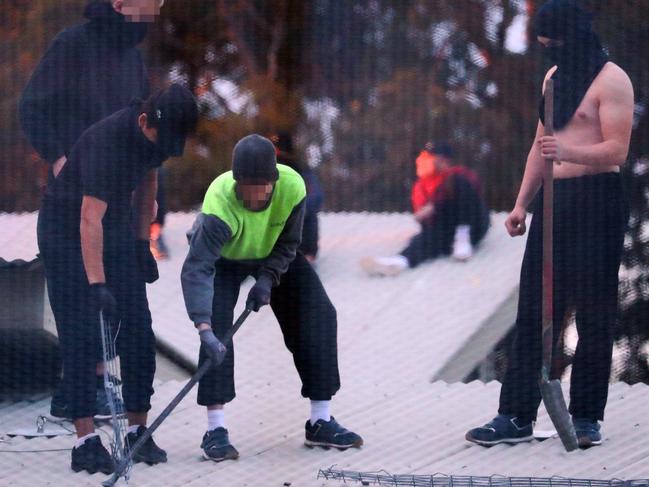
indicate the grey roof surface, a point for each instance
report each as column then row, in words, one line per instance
column 18, row 244
column 394, row 335
column 430, row 311
column 411, row 427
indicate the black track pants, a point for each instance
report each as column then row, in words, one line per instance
column 465, row 207
column 77, row 322
column 307, row 320
column 590, row 215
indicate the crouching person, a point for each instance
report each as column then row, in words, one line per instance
column 250, row 225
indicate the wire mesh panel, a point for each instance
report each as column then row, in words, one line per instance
column 441, row 480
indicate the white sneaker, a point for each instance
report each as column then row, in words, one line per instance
column 462, row 248
column 384, row 266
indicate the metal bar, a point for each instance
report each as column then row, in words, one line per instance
column 122, row 467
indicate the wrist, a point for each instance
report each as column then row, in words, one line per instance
column 203, row 327
column 265, row 279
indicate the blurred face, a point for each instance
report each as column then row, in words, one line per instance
column 255, row 196
column 426, row 164
column 138, row 10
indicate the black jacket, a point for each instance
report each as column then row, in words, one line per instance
column 90, row 71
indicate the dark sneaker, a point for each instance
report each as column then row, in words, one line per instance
column 587, row 432
column 92, row 457
column 149, row 452
column 103, row 405
column 330, row 434
column 216, row 446
column 504, row 428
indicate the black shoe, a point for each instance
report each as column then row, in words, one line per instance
column 92, row 457
column 216, row 446
column 330, row 434
column 587, row 431
column 149, row 453
column 504, row 428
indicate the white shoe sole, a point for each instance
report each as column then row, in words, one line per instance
column 322, row 444
column 374, row 268
column 217, row 460
column 507, row 441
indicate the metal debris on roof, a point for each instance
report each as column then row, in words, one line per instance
column 441, row 480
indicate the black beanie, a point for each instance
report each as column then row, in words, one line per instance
column 254, row 160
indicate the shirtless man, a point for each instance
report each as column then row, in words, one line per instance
column 593, row 120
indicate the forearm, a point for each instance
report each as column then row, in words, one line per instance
column 609, row 152
column 143, row 204
column 92, row 250
column 209, row 234
column 532, row 179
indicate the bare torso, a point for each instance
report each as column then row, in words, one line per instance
column 585, row 129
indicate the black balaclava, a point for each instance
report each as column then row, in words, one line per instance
column 579, row 60
column 113, row 27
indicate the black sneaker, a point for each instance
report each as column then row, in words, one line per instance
column 149, row 453
column 504, row 428
column 588, row 433
column 92, row 457
column 330, row 434
column 216, row 446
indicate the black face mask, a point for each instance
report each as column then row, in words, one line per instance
column 555, row 54
column 112, row 27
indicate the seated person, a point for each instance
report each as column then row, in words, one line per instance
column 448, row 204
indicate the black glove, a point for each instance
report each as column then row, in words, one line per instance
column 103, row 300
column 146, row 262
column 259, row 295
column 213, row 346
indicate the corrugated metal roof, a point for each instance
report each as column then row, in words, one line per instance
column 394, row 334
column 18, row 245
column 431, row 310
column 410, row 427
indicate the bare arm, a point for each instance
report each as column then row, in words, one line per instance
column 533, row 176
column 144, row 204
column 92, row 238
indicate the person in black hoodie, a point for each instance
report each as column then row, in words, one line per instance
column 90, row 71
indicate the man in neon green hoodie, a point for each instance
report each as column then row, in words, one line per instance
column 251, row 225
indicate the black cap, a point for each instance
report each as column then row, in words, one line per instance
column 439, row 148
column 176, row 115
column 254, row 160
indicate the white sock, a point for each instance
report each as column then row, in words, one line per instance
column 320, row 410
column 133, row 428
column 83, row 439
column 463, row 231
column 396, row 260
column 215, row 419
